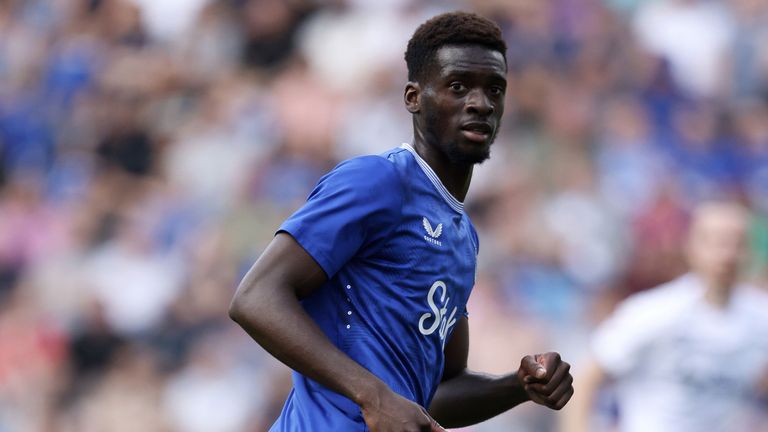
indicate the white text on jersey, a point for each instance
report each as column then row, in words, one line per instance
column 438, row 314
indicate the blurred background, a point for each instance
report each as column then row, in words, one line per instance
column 150, row 148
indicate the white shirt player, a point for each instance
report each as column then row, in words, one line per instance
column 680, row 364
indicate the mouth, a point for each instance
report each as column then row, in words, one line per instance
column 477, row 131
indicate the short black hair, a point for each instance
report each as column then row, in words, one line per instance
column 452, row 28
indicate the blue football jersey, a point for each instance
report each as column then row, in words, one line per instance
column 400, row 255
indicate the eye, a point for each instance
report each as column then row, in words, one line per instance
column 497, row 91
column 457, row 87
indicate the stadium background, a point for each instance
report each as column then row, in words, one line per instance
column 150, row 148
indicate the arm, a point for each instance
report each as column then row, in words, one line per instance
column 762, row 387
column 267, row 307
column 464, row 397
column 577, row 417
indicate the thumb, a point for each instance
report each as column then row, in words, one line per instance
column 533, row 368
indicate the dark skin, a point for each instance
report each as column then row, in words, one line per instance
column 456, row 109
column 464, row 87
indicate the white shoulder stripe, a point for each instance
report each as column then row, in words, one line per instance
column 455, row 204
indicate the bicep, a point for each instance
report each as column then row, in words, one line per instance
column 457, row 350
column 284, row 263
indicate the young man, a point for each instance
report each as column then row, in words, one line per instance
column 363, row 291
column 692, row 354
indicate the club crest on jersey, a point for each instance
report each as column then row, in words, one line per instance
column 432, row 234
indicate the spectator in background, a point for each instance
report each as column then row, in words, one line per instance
column 693, row 35
column 748, row 57
column 141, row 132
column 692, row 354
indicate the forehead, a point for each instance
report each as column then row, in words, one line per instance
column 720, row 220
column 476, row 59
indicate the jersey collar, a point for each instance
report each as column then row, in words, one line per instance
column 455, row 204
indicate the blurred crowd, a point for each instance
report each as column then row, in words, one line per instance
column 150, row 148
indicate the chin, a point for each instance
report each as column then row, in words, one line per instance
column 469, row 153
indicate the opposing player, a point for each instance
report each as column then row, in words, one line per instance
column 363, row 291
column 690, row 355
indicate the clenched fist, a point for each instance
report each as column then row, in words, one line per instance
column 546, row 379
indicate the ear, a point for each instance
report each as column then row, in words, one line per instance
column 412, row 97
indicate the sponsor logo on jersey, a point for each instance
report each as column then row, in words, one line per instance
column 438, row 320
column 432, row 234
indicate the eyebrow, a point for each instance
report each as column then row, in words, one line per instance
column 463, row 73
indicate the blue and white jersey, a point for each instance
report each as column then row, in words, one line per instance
column 400, row 255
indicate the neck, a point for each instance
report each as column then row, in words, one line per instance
column 455, row 177
column 717, row 293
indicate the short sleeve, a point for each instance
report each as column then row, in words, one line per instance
column 354, row 206
column 616, row 342
column 621, row 340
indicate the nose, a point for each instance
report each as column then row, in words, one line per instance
column 478, row 103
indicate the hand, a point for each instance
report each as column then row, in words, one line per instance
column 546, row 379
column 390, row 412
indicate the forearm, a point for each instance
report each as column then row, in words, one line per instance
column 469, row 398
column 577, row 415
column 276, row 320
